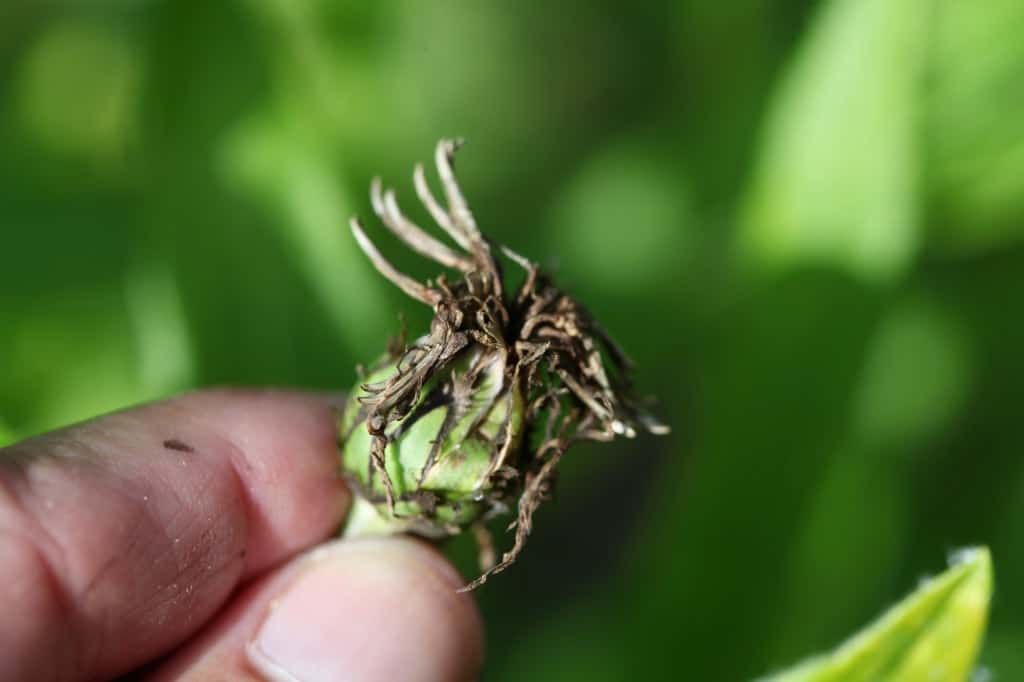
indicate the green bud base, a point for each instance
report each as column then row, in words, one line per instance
column 364, row 520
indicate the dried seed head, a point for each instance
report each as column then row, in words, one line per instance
column 472, row 419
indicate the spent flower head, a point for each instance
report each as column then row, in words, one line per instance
column 471, row 419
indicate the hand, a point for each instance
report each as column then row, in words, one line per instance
column 169, row 540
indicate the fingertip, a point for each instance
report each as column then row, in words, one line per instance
column 370, row 610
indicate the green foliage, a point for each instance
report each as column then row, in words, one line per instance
column 802, row 219
column 836, row 177
column 976, row 174
column 78, row 90
column 6, row 435
column 933, row 635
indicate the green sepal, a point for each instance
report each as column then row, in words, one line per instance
column 458, row 477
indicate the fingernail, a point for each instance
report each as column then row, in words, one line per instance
column 374, row 609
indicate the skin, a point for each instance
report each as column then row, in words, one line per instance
column 175, row 541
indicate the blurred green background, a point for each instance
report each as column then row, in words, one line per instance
column 803, row 219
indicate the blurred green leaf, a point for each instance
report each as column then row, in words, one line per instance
column 624, row 211
column 775, row 381
column 78, row 89
column 913, row 383
column 975, row 110
column 277, row 159
column 163, row 349
column 573, row 646
column 836, row 175
column 6, row 435
column 864, row 543
column 916, row 376
column 68, row 360
column 931, row 636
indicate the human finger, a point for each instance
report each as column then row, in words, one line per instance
column 357, row 610
column 121, row 536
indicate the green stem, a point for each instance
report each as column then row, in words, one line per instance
column 364, row 520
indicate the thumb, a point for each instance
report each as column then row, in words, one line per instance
column 368, row 609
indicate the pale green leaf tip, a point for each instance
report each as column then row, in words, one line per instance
column 934, row 634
